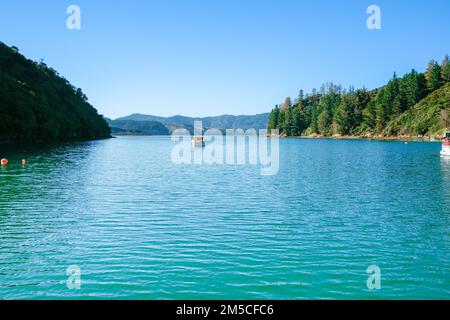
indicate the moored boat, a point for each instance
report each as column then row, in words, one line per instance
column 197, row 141
column 446, row 145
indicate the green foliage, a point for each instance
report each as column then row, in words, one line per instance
column 287, row 126
column 324, row 123
column 445, row 71
column 296, row 122
column 37, row 104
column 369, row 117
column 433, row 76
column 429, row 116
column 273, row 120
column 344, row 116
column 281, row 118
column 402, row 106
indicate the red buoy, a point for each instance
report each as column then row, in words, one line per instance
column 4, row 162
column 24, row 162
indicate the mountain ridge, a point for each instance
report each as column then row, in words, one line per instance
column 222, row 122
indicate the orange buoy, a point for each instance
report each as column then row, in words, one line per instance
column 4, row 162
column 24, row 162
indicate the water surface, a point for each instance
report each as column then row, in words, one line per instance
column 140, row 227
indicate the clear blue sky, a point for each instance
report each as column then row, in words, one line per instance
column 211, row 57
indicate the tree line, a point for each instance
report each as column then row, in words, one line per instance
column 333, row 110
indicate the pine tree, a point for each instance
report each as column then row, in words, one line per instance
column 301, row 95
column 288, row 121
column 433, row 76
column 272, row 122
column 370, row 116
column 296, row 123
column 393, row 105
column 398, row 104
column 281, row 117
column 273, row 119
column 360, row 101
column 344, row 116
column 414, row 88
column 445, row 72
column 381, row 109
column 382, row 117
column 324, row 123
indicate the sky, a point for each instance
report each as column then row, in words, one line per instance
column 213, row 57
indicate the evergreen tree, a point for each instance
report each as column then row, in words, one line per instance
column 392, row 101
column 273, row 119
column 344, row 116
column 288, row 121
column 324, row 123
column 296, row 122
column 414, row 88
column 360, row 101
column 314, row 116
column 445, row 72
column 369, row 116
column 381, row 117
column 397, row 105
column 382, row 109
column 281, row 117
column 433, row 76
column 301, row 95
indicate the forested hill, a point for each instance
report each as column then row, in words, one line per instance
column 36, row 104
column 417, row 104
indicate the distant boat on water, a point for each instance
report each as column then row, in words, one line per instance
column 197, row 141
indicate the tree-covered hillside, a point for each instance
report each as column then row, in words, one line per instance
column 416, row 104
column 36, row 104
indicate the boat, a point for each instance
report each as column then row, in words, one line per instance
column 197, row 141
column 446, row 145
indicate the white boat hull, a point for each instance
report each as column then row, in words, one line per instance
column 445, row 151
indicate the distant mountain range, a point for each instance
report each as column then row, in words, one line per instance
column 141, row 124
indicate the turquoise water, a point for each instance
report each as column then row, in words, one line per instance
column 140, row 227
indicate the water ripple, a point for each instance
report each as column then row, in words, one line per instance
column 140, row 227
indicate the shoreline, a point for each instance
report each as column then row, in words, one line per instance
column 50, row 141
column 312, row 137
column 374, row 138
